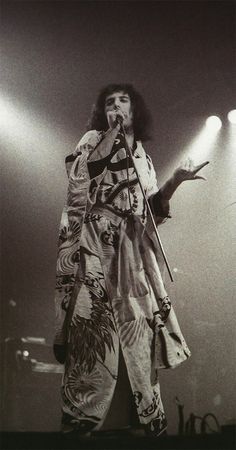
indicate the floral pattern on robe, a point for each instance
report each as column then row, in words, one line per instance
column 110, row 292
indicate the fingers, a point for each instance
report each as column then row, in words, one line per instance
column 200, row 166
column 188, row 164
column 188, row 171
column 198, row 177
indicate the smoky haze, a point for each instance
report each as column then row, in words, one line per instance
column 180, row 55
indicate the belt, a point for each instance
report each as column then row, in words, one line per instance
column 116, row 217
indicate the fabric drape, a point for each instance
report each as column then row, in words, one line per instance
column 110, row 293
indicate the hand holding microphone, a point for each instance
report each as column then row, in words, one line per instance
column 119, row 118
column 115, row 117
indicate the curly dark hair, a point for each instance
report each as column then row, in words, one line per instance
column 141, row 116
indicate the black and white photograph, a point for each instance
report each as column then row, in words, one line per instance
column 118, row 219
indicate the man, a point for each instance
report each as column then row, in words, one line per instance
column 113, row 311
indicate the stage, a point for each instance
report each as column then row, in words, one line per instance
column 46, row 441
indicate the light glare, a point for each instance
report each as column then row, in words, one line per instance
column 213, row 123
column 232, row 116
column 202, row 145
column 32, row 144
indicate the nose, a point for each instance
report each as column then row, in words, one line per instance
column 117, row 103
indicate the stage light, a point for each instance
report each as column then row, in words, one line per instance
column 25, row 128
column 232, row 116
column 203, row 144
column 31, row 139
column 33, row 149
column 200, row 148
column 213, row 123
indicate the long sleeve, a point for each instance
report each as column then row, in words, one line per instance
column 159, row 207
column 80, row 198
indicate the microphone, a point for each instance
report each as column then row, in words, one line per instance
column 119, row 119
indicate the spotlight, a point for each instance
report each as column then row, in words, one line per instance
column 213, row 123
column 232, row 116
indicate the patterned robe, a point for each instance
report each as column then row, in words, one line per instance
column 110, row 293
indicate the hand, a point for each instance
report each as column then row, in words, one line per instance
column 188, row 171
column 113, row 118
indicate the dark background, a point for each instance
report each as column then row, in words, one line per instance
column 56, row 55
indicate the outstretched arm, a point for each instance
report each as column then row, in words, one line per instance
column 186, row 171
column 160, row 201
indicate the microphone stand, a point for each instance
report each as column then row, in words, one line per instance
column 129, row 155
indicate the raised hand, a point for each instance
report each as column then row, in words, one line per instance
column 188, row 171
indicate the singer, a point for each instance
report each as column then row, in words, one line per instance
column 115, row 324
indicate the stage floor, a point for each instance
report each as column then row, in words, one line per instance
column 53, row 441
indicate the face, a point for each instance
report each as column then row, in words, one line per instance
column 119, row 102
